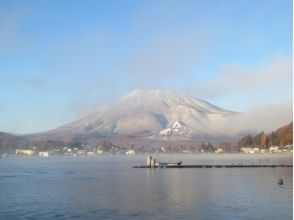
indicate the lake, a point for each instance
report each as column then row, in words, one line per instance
column 107, row 187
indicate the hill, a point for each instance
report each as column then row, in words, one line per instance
column 281, row 137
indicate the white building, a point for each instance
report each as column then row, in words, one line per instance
column 43, row 154
column 130, row 152
column 288, row 148
column 99, row 151
column 24, row 152
column 275, row 149
column 249, row 150
column 219, row 151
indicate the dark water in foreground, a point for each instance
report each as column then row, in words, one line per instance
column 107, row 187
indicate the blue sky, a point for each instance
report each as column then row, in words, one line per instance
column 61, row 59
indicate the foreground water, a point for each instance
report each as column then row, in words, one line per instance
column 107, row 187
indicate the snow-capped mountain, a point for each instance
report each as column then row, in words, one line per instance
column 157, row 114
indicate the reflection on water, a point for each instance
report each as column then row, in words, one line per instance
column 108, row 188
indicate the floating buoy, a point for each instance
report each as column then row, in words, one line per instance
column 280, row 181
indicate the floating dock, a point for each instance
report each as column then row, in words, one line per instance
column 214, row 166
column 151, row 163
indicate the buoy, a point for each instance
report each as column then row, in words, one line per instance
column 280, row 181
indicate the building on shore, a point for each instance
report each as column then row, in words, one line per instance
column 249, row 150
column 130, row 152
column 24, row 152
column 274, row 149
column 43, row 154
column 219, row 151
column 99, row 151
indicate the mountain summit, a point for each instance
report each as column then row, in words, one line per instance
column 156, row 114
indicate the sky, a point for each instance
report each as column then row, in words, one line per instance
column 60, row 60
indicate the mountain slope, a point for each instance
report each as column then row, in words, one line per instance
column 284, row 135
column 157, row 114
column 281, row 137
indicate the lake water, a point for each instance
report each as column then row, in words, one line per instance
column 107, row 187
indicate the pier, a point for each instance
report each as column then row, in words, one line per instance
column 214, row 166
column 151, row 163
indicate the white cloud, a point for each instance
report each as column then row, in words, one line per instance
column 244, row 87
column 266, row 118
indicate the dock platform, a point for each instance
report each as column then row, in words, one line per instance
column 215, row 166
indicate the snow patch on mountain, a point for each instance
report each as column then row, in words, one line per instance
column 177, row 130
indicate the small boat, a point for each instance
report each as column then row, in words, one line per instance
column 162, row 164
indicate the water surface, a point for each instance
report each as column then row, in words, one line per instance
column 107, row 187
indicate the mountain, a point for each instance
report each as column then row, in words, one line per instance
column 153, row 114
